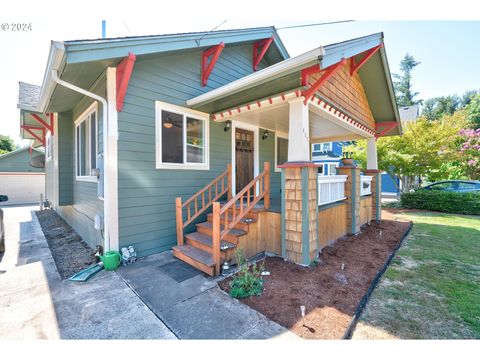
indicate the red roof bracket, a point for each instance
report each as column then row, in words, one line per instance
column 385, row 126
column 354, row 66
column 213, row 53
column 42, row 122
column 329, row 71
column 258, row 55
column 124, row 71
column 31, row 130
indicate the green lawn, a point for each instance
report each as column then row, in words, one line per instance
column 432, row 288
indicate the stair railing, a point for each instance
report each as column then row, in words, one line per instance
column 245, row 200
column 218, row 187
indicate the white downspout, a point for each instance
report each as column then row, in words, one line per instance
column 106, row 179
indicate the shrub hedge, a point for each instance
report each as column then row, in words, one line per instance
column 446, row 201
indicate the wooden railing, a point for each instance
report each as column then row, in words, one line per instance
column 331, row 188
column 246, row 199
column 365, row 185
column 216, row 189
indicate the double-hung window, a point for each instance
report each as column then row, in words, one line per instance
column 181, row 138
column 86, row 144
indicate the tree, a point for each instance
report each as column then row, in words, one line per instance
column 435, row 108
column 423, row 149
column 473, row 112
column 6, row 144
column 470, row 152
column 403, row 83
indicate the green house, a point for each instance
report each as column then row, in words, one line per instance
column 200, row 142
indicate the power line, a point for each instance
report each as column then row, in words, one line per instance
column 215, row 28
column 315, row 24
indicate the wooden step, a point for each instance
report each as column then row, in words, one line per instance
column 199, row 259
column 204, row 242
column 231, row 236
column 241, row 225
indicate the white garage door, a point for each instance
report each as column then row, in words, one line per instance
column 22, row 188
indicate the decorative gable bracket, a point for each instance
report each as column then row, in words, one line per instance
column 31, row 130
column 49, row 125
column 354, row 66
column 258, row 55
column 213, row 53
column 315, row 69
column 384, row 127
column 124, row 71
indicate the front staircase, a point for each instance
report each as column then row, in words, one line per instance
column 216, row 239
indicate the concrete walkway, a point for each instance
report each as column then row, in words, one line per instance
column 192, row 305
column 36, row 304
column 133, row 303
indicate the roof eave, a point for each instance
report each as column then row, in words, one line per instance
column 102, row 49
column 282, row 68
column 391, row 90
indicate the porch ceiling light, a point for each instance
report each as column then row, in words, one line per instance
column 265, row 135
column 167, row 124
column 228, row 124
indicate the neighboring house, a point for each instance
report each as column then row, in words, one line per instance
column 328, row 157
column 20, row 181
column 152, row 133
column 409, row 113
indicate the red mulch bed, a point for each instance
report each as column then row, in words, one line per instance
column 329, row 304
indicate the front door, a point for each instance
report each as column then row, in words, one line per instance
column 244, row 140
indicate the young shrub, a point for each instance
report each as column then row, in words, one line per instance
column 446, row 201
column 247, row 282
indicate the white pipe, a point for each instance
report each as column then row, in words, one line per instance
column 106, row 195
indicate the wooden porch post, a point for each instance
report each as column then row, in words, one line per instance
column 216, row 237
column 179, row 218
column 266, row 199
column 229, row 193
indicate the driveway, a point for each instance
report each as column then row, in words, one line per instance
column 36, row 304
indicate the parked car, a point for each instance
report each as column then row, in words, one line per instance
column 454, row 185
column 2, row 228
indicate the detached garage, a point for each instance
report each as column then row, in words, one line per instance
column 20, row 181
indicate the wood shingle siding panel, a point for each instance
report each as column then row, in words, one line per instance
column 348, row 93
column 146, row 194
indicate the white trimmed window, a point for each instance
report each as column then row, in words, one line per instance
column 182, row 138
column 281, row 151
column 332, row 169
column 86, row 144
column 322, row 168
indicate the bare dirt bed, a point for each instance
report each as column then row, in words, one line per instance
column 70, row 252
column 330, row 304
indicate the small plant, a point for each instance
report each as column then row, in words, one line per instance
column 347, row 155
column 248, row 281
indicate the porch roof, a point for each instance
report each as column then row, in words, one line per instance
column 285, row 76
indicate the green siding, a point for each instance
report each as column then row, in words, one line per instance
column 18, row 162
column 65, row 155
column 267, row 153
column 147, row 195
column 78, row 199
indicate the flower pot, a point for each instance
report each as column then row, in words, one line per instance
column 347, row 161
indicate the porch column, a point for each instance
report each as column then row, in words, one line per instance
column 352, row 192
column 372, row 170
column 299, row 212
column 298, row 131
column 372, row 162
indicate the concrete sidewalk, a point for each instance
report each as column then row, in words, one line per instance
column 133, row 303
column 192, row 305
column 36, row 304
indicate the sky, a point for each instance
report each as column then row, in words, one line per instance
column 448, row 50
